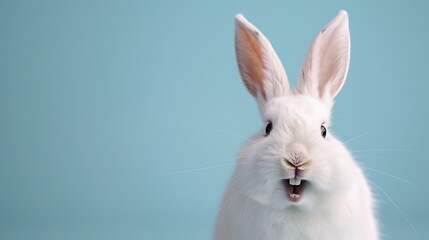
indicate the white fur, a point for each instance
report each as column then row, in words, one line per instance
column 337, row 204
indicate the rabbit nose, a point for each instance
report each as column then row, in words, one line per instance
column 297, row 156
column 298, row 163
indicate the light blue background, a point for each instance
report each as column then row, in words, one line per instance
column 104, row 104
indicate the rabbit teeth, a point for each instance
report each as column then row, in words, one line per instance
column 294, row 181
column 294, row 195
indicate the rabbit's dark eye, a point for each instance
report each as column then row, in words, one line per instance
column 323, row 131
column 268, row 128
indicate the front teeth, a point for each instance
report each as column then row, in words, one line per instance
column 293, row 195
column 294, row 181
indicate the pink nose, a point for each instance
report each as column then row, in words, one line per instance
column 297, row 162
column 297, row 154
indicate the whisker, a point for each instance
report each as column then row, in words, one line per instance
column 387, row 149
column 235, row 178
column 242, row 189
column 360, row 155
column 242, row 212
column 359, row 136
column 352, row 138
column 395, row 205
column 205, row 168
column 232, row 180
column 230, row 159
column 198, row 169
column 395, row 177
column 237, row 193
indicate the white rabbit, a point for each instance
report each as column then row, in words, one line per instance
column 293, row 179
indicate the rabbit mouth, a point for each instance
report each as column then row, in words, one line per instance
column 294, row 188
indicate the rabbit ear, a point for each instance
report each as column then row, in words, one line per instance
column 325, row 67
column 260, row 68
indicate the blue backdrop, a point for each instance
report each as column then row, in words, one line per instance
column 121, row 120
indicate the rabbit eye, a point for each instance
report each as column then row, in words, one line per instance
column 323, row 131
column 268, row 128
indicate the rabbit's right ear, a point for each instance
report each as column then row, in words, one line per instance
column 260, row 68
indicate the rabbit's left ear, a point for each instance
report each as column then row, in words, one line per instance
column 325, row 67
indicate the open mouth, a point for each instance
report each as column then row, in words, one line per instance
column 294, row 188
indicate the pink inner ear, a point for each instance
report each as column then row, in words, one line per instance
column 249, row 55
column 332, row 58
